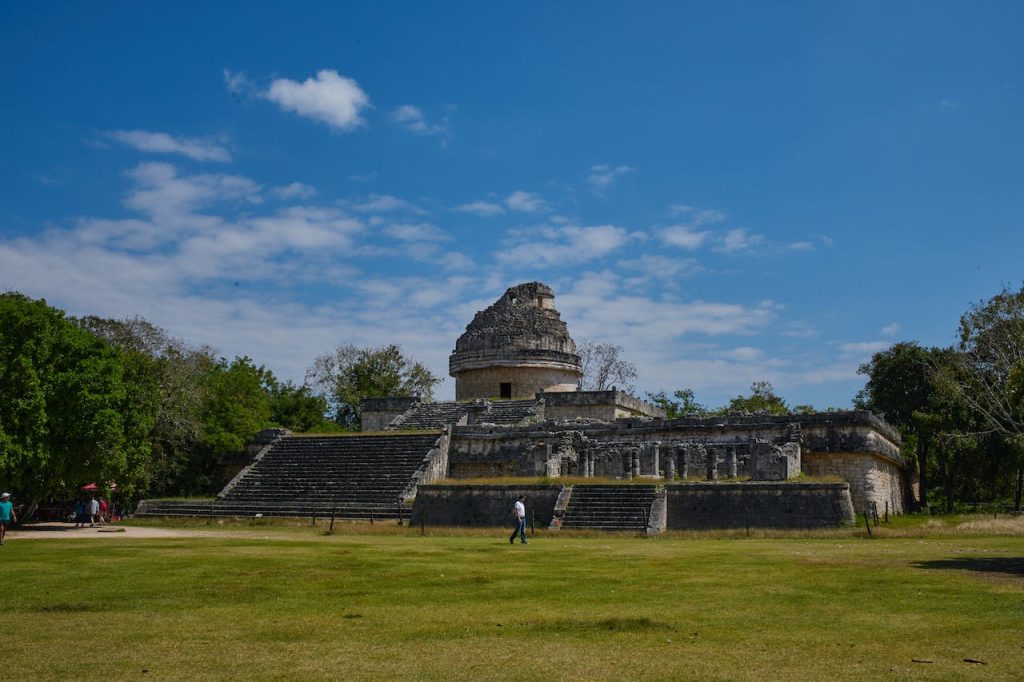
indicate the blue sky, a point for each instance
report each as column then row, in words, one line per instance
column 731, row 191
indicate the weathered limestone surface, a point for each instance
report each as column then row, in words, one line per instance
column 519, row 340
column 872, row 478
column 598, row 405
column 483, row 505
column 705, row 506
column 377, row 413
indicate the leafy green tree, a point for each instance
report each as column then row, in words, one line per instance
column 762, row 400
column 177, row 371
column 296, row 407
column 68, row 415
column 991, row 358
column 681, row 404
column 349, row 374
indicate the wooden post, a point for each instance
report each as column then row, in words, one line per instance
column 312, row 519
column 371, row 516
column 867, row 522
column 423, row 522
column 533, row 517
column 887, row 511
column 331, row 529
column 643, row 510
column 399, row 505
column 746, row 519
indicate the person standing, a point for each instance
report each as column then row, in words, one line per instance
column 519, row 509
column 94, row 510
column 7, row 515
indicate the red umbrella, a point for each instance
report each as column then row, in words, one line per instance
column 90, row 487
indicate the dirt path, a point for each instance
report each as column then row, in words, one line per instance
column 67, row 531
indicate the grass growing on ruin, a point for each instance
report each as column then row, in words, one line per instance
column 388, row 606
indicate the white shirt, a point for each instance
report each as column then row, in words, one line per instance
column 94, row 507
column 520, row 510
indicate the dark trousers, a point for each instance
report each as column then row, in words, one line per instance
column 520, row 531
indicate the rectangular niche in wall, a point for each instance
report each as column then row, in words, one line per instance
column 506, row 390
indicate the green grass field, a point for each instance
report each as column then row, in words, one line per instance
column 291, row 603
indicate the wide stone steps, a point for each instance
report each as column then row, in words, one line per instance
column 609, row 507
column 357, row 475
column 439, row 415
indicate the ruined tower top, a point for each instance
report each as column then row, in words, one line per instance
column 515, row 348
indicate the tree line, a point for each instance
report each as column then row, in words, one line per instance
column 89, row 399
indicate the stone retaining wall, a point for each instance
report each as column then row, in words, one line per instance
column 713, row 506
column 483, row 505
column 872, row 478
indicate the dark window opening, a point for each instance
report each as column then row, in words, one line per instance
column 506, row 390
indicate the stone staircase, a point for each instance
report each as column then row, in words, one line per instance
column 358, row 476
column 609, row 507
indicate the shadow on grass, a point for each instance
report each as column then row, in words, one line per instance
column 1008, row 565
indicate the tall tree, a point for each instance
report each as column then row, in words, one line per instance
column 604, row 367
column 991, row 358
column 67, row 414
column 350, row 373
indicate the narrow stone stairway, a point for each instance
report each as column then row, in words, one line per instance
column 609, row 507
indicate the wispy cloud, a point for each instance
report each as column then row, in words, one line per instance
column 890, row 329
column 564, row 245
column 196, row 148
column 412, row 119
column 385, row 203
column 739, row 240
column 295, row 190
column 526, row 202
column 684, row 237
column 483, row 209
column 416, row 232
column 603, row 175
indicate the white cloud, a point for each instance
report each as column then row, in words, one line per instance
column 295, row 190
column 328, row 97
column 199, row 149
column 483, row 209
column 411, row 118
column 800, row 246
column 603, row 175
column 684, row 237
column 863, row 348
column 652, row 268
column 739, row 240
column 454, row 261
column 743, row 354
column 416, row 232
column 526, row 202
column 890, row 329
column 565, row 245
column 385, row 203
column 238, row 83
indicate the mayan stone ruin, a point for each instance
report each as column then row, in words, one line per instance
column 519, row 416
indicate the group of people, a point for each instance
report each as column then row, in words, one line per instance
column 92, row 510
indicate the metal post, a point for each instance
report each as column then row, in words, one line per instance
column 371, row 516
column 887, row 511
column 867, row 522
column 312, row 520
column 399, row 505
column 331, row 529
column 423, row 522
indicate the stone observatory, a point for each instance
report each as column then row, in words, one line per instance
column 516, row 348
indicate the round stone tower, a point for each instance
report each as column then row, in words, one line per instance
column 516, row 348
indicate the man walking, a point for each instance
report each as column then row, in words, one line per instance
column 7, row 515
column 519, row 509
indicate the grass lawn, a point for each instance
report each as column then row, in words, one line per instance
column 356, row 605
